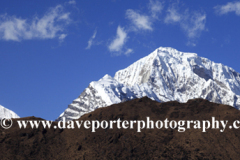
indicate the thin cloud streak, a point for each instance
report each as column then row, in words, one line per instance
column 72, row 2
column 90, row 42
column 128, row 52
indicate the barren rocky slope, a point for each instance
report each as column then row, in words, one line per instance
column 116, row 143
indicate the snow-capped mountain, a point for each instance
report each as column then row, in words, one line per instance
column 103, row 93
column 164, row 75
column 6, row 113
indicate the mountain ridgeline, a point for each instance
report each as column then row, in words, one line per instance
column 82, row 143
column 164, row 75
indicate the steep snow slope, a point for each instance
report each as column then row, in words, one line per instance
column 103, row 93
column 164, row 75
column 6, row 113
column 175, row 75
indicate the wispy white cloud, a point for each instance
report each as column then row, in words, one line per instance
column 192, row 23
column 90, row 42
column 128, row 52
column 50, row 26
column 172, row 15
column 62, row 37
column 120, row 39
column 229, row 7
column 155, row 8
column 140, row 22
column 72, row 2
column 144, row 22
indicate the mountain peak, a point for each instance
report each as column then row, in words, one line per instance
column 168, row 51
column 107, row 76
column 164, row 75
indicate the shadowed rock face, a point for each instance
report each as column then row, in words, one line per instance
column 127, row 143
column 202, row 72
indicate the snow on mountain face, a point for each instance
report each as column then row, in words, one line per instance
column 6, row 113
column 103, row 93
column 164, row 75
column 175, row 75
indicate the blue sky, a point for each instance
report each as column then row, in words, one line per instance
column 51, row 50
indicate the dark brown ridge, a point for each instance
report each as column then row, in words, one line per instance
column 116, row 143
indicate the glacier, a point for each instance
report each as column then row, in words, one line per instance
column 164, row 75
